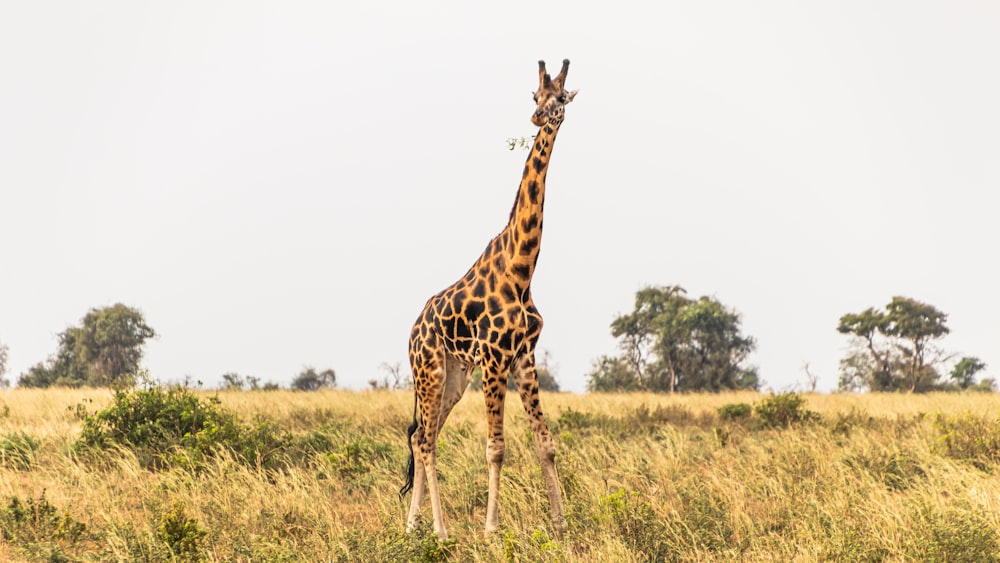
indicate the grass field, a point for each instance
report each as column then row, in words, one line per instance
column 645, row 478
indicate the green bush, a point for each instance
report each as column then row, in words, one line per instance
column 896, row 469
column 846, row 422
column 537, row 546
column 735, row 411
column 783, row 410
column 39, row 528
column 570, row 419
column 958, row 532
column 663, row 415
column 640, row 420
column 181, row 533
column 636, row 523
column 18, row 450
column 173, row 427
column 391, row 543
column 356, row 458
column 970, row 438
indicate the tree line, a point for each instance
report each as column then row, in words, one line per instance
column 669, row 343
column 895, row 348
column 673, row 343
column 106, row 349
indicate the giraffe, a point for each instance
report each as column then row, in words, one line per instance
column 487, row 319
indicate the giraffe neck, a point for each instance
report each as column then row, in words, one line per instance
column 525, row 227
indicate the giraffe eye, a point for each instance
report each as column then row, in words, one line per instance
column 561, row 99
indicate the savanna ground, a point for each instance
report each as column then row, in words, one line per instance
column 291, row 476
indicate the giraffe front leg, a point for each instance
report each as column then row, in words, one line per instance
column 526, row 377
column 454, row 388
column 494, row 389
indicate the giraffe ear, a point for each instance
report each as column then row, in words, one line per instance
column 570, row 96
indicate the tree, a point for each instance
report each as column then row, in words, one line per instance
column 311, row 380
column 811, row 378
column 612, row 374
column 105, row 350
column 393, row 378
column 713, row 349
column 874, row 370
column 653, row 331
column 670, row 342
column 858, row 372
column 233, row 381
column 544, row 370
column 4, row 354
column 964, row 372
column 894, row 349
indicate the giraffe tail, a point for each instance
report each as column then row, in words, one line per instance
column 410, row 467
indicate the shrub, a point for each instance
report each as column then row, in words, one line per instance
column 955, row 533
column 969, row 438
column 181, row 533
column 845, row 423
column 355, row 458
column 570, row 419
column 662, row 415
column 896, row 469
column 18, row 450
column 636, row 524
column 706, row 513
column 735, row 411
column 640, row 420
column 37, row 523
column 390, row 542
column 172, row 426
column 536, row 547
column 783, row 410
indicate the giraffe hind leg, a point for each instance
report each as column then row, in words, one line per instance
column 429, row 383
column 416, row 483
column 457, row 379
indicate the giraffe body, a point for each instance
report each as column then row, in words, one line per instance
column 487, row 319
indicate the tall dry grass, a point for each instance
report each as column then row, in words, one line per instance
column 646, row 478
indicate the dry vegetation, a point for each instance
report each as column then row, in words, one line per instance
column 646, row 478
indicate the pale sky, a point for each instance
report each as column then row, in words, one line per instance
column 284, row 184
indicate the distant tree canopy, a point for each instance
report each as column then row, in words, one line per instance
column 963, row 375
column 232, row 381
column 544, row 369
column 670, row 342
column 896, row 349
column 105, row 350
column 4, row 351
column 311, row 380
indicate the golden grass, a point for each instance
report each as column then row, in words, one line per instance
column 646, row 477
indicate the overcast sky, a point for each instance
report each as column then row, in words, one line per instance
column 284, row 184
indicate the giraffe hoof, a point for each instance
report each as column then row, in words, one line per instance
column 559, row 526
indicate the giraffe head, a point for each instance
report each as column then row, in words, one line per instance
column 551, row 97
